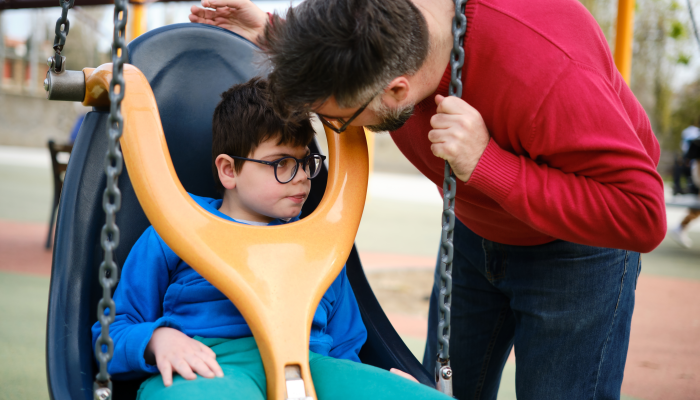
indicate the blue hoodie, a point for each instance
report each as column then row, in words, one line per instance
column 157, row 288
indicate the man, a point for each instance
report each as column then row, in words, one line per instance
column 557, row 161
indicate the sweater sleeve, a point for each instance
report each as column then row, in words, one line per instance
column 345, row 324
column 139, row 305
column 588, row 172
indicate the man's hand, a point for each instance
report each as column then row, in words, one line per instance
column 172, row 350
column 239, row 16
column 459, row 135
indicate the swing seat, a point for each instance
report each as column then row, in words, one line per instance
column 187, row 67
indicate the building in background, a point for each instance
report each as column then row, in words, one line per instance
column 24, row 66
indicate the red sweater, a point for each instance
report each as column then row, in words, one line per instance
column 572, row 155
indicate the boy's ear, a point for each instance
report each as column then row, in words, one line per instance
column 227, row 172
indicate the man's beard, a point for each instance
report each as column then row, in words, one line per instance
column 391, row 118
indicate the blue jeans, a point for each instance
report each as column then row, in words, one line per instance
column 566, row 307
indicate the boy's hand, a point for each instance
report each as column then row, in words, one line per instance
column 403, row 374
column 172, row 350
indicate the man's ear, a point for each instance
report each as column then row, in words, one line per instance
column 227, row 171
column 397, row 91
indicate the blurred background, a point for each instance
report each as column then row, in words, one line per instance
column 399, row 233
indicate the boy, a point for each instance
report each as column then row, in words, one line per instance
column 170, row 319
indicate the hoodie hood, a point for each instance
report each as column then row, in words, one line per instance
column 213, row 205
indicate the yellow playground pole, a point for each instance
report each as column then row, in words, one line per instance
column 137, row 19
column 623, row 38
column 370, row 148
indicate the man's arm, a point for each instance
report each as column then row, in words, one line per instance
column 239, row 16
column 589, row 176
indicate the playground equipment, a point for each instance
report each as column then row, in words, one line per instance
column 275, row 276
column 623, row 38
column 163, row 63
column 166, row 57
column 58, row 168
column 279, row 306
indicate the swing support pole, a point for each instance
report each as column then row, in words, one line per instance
column 138, row 19
column 623, row 38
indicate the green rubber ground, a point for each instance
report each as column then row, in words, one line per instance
column 389, row 227
column 22, row 335
column 23, row 302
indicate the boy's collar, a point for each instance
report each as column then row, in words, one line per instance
column 213, row 205
column 276, row 221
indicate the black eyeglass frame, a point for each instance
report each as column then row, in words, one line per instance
column 326, row 120
column 303, row 162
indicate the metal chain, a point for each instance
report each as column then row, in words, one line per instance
column 62, row 28
column 111, row 202
column 443, row 371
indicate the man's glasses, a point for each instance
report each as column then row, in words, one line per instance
column 343, row 123
column 286, row 167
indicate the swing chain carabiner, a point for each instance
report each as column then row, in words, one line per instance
column 111, row 203
column 443, row 371
column 57, row 62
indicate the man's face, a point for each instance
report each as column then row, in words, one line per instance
column 377, row 117
column 391, row 119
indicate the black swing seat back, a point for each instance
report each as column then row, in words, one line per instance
column 188, row 67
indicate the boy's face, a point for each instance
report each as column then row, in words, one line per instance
column 257, row 195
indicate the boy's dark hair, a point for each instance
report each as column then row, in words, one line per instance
column 244, row 118
column 350, row 49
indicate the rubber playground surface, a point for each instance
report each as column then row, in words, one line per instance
column 398, row 243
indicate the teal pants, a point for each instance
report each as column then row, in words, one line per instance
column 244, row 379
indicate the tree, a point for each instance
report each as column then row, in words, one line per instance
column 661, row 44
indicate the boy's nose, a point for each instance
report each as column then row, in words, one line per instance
column 301, row 176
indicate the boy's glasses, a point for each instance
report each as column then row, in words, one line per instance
column 286, row 167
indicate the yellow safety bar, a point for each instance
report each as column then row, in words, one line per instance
column 276, row 276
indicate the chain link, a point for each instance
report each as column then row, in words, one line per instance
column 61, row 30
column 111, row 203
column 449, row 187
column 459, row 28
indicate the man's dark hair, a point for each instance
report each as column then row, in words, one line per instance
column 349, row 49
column 244, row 118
